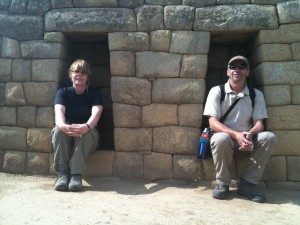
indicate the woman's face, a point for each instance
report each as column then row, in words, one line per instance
column 79, row 78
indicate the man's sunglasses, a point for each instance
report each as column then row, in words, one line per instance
column 233, row 67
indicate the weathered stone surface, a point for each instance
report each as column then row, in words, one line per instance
column 14, row 94
column 2, row 94
column 133, row 91
column 197, row 3
column 296, row 51
column 38, row 7
column 179, row 17
column 58, row 37
column 266, row 2
column 130, row 139
column 284, row 117
column 13, row 138
column 21, row 70
column 157, row 64
column 45, row 117
column 276, row 169
column 37, row 163
column 194, row 66
column 8, row 116
column 277, row 95
column 10, row 48
column 127, row 115
column 26, row 116
column 176, row 140
column 236, row 18
column 25, row 27
column 158, row 166
column 1, row 159
column 14, row 162
column 160, row 40
column 163, row 2
column 272, row 73
column 155, row 115
column 190, row 42
column 128, row 41
column 62, row 3
column 93, row 3
column 288, row 142
column 5, row 72
column 187, row 167
column 178, row 91
column 40, row 93
column 230, row 2
column 130, row 3
column 293, row 168
column 149, row 18
column 4, row 5
column 122, row 63
column 272, row 53
column 190, row 115
column 18, row 6
column 296, row 94
column 90, row 20
column 46, row 69
column 128, row 165
column 38, row 140
column 288, row 12
column 100, row 163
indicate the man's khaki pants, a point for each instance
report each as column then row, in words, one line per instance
column 70, row 153
column 223, row 148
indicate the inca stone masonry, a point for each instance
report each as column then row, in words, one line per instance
column 154, row 62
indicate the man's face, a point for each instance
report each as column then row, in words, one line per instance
column 238, row 71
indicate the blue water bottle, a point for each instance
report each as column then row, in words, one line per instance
column 204, row 144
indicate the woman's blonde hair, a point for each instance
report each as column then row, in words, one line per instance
column 82, row 65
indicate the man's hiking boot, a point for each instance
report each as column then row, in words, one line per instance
column 75, row 183
column 62, row 182
column 221, row 191
column 251, row 191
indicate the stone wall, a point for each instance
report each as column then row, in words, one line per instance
column 154, row 61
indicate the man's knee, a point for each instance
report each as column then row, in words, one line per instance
column 221, row 138
column 268, row 137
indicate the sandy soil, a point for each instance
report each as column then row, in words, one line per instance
column 31, row 200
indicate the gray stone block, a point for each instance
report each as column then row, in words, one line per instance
column 283, row 117
column 149, row 18
column 198, row 4
column 100, row 163
column 5, row 72
column 39, row 140
column 163, row 2
column 157, row 115
column 86, row 20
column 13, row 138
column 277, row 95
column 14, row 162
column 288, row 12
column 14, row 94
column 128, row 165
column 37, row 163
column 45, row 117
column 4, row 5
column 62, row 3
column 26, row 116
column 122, row 63
column 95, row 3
column 18, row 6
column 158, row 166
column 130, row 3
column 157, row 64
column 194, row 66
column 296, row 94
column 178, row 91
column 179, row 17
column 46, row 69
column 236, row 18
column 8, row 116
column 160, row 40
column 293, row 168
column 21, row 70
column 276, row 169
column 296, row 51
column 133, row 91
column 230, row 2
column 38, row 7
column 288, row 142
column 133, row 139
column 176, row 140
column 10, row 48
column 266, row 2
column 187, row 167
column 128, row 116
column 190, row 115
column 128, row 41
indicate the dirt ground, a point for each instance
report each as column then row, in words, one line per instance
column 32, row 200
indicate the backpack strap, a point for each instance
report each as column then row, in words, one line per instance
column 222, row 88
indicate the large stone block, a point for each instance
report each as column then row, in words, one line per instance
column 130, row 139
column 190, row 42
column 128, row 165
column 198, row 4
column 157, row 64
column 122, row 63
column 155, row 115
column 236, row 18
column 40, row 93
column 178, row 91
column 14, row 94
column 179, row 17
column 46, row 69
column 296, row 51
column 296, row 94
column 45, row 117
column 194, row 66
column 187, row 167
column 133, row 91
column 266, row 2
column 158, row 166
column 13, row 138
column 149, row 17
column 21, row 70
column 62, row 3
column 26, row 116
column 10, row 48
column 176, row 140
column 288, row 12
column 130, row 3
column 163, row 2
column 8, row 116
column 24, row 27
column 39, row 140
column 38, row 7
column 37, row 163
column 288, row 142
column 18, row 6
column 283, row 117
column 190, row 115
column 277, row 95
column 160, row 40
column 293, row 168
column 272, row 73
column 127, row 115
column 100, row 163
column 90, row 20
column 4, row 5
column 276, row 169
column 14, row 162
column 93, row 3
column 128, row 41
column 5, row 72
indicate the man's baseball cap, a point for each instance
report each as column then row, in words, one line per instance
column 239, row 57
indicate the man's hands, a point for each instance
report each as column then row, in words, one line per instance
column 74, row 130
column 244, row 139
